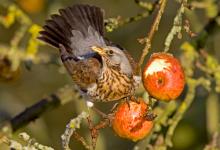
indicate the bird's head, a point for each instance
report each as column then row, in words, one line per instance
column 113, row 56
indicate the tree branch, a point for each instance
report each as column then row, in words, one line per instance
column 113, row 23
column 61, row 97
column 153, row 30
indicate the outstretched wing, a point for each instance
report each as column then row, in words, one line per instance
column 77, row 28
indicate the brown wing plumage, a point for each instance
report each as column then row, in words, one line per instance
column 83, row 72
column 86, row 72
column 74, row 30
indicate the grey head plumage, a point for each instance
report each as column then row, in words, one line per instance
column 114, row 57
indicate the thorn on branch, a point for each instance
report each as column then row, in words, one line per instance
column 187, row 29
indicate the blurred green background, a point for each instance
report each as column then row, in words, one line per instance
column 41, row 80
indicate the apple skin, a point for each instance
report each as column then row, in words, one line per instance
column 163, row 77
column 130, row 122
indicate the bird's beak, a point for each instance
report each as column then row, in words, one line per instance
column 99, row 50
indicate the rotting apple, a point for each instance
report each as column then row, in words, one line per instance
column 130, row 120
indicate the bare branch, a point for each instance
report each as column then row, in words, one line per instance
column 61, row 97
column 153, row 30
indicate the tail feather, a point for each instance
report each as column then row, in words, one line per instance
column 52, row 36
column 60, row 28
column 48, row 40
column 51, row 26
column 53, row 32
column 62, row 23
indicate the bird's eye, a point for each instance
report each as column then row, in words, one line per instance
column 110, row 52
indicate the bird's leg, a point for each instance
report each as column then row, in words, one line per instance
column 114, row 107
column 131, row 98
column 127, row 101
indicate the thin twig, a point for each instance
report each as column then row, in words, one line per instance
column 25, row 142
column 160, row 121
column 214, row 143
column 18, row 55
column 113, row 23
column 94, row 133
column 95, row 128
column 71, row 128
column 102, row 124
column 145, row 5
column 177, row 26
column 187, row 28
column 153, row 30
column 18, row 36
column 16, row 14
column 79, row 138
column 192, row 84
column 199, row 43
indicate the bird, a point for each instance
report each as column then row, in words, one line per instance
column 102, row 70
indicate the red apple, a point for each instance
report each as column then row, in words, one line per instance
column 163, row 77
column 130, row 120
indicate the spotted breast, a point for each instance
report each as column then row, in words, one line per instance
column 112, row 85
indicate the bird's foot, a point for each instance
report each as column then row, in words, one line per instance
column 114, row 107
column 131, row 98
